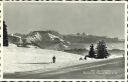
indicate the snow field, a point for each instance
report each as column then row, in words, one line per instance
column 19, row 59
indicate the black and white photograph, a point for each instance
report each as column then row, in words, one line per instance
column 53, row 40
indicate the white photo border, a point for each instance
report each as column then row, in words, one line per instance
column 64, row 1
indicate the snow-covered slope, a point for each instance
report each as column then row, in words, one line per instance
column 48, row 39
column 16, row 58
column 35, row 37
column 21, row 59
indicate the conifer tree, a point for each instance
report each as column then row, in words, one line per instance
column 5, row 34
column 102, row 50
column 92, row 52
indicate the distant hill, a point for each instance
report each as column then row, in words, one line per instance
column 43, row 39
column 54, row 40
column 47, row 39
column 73, row 38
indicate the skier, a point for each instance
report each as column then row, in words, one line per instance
column 54, row 59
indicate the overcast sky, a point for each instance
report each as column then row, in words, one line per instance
column 92, row 18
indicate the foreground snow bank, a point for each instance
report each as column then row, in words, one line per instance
column 22, row 59
column 19, row 59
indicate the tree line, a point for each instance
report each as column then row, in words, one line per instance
column 100, row 51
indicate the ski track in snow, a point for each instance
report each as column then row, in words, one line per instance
column 78, row 68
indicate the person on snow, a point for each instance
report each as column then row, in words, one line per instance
column 54, row 59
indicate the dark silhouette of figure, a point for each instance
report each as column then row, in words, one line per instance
column 54, row 59
column 85, row 57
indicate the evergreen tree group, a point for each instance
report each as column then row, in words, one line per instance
column 100, row 52
column 5, row 35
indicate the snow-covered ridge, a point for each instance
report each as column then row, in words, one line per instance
column 38, row 37
column 47, row 40
column 53, row 37
column 33, row 38
column 43, row 39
